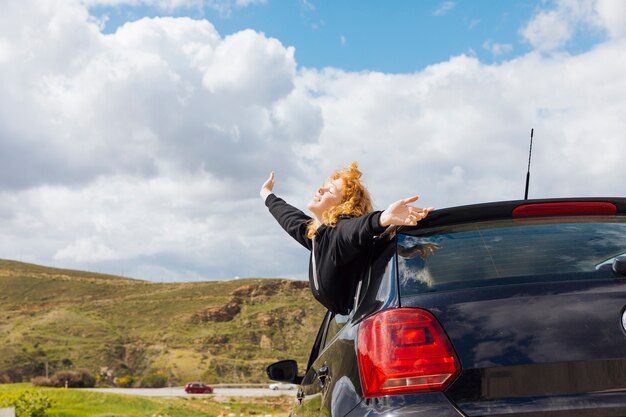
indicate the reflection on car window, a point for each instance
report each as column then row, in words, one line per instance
column 488, row 253
column 336, row 324
column 309, row 377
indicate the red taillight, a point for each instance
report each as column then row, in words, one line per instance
column 404, row 350
column 573, row 207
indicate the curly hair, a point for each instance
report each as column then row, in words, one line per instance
column 355, row 201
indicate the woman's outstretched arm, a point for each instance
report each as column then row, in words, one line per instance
column 292, row 220
column 401, row 214
column 355, row 234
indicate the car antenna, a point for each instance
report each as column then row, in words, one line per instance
column 530, row 152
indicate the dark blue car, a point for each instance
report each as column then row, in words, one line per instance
column 503, row 309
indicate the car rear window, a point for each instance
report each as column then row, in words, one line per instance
column 509, row 251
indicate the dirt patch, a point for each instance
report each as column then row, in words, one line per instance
column 269, row 288
column 227, row 312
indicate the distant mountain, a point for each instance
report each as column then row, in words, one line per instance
column 217, row 331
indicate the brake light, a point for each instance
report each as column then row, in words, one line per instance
column 404, row 350
column 573, row 207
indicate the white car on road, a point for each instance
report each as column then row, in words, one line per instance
column 282, row 385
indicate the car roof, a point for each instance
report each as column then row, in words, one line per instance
column 499, row 210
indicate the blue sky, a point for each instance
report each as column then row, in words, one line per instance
column 392, row 37
column 137, row 145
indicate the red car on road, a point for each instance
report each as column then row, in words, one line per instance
column 198, row 388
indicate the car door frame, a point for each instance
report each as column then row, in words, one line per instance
column 308, row 395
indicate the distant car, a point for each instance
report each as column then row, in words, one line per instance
column 497, row 310
column 198, row 388
column 282, row 385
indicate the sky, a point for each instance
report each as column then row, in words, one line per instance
column 135, row 134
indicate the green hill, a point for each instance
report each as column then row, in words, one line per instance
column 220, row 331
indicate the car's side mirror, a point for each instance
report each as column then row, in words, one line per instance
column 284, row 371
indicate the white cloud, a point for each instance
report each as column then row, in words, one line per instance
column 86, row 250
column 457, row 132
column 237, row 62
column 612, row 14
column 343, row 40
column 246, row 3
column 547, row 31
column 91, row 122
column 141, row 152
column 552, row 29
column 166, row 4
column 444, row 8
column 497, row 49
column 6, row 51
column 225, row 8
column 220, row 5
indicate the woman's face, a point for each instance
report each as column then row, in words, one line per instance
column 326, row 197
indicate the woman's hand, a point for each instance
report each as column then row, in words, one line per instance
column 401, row 214
column 267, row 187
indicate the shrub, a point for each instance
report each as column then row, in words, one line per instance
column 75, row 379
column 27, row 403
column 124, row 381
column 155, row 380
column 41, row 381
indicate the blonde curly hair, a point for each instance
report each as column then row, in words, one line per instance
column 355, row 201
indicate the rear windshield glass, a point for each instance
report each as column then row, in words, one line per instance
column 509, row 251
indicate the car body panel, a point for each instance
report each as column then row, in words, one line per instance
column 521, row 345
column 338, row 395
column 432, row 404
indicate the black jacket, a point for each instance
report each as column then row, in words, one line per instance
column 340, row 252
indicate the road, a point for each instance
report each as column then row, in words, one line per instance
column 180, row 392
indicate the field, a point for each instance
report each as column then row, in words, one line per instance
column 77, row 403
column 215, row 331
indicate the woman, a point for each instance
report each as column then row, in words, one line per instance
column 340, row 232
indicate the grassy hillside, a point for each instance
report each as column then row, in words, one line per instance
column 221, row 331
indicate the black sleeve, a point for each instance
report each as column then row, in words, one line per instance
column 354, row 235
column 290, row 218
